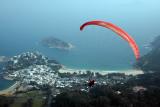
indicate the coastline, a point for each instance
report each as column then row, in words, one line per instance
column 8, row 78
column 12, row 89
column 70, row 46
column 9, row 91
column 102, row 72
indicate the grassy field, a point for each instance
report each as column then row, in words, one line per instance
column 36, row 97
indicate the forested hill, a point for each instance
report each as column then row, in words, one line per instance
column 151, row 61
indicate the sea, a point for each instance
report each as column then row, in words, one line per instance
column 23, row 24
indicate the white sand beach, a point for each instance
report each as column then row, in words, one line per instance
column 103, row 72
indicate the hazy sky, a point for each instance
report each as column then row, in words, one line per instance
column 24, row 21
column 141, row 15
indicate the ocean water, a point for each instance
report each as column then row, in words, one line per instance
column 5, row 83
column 24, row 23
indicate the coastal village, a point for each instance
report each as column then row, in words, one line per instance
column 32, row 71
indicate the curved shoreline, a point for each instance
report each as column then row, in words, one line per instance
column 70, row 46
column 102, row 72
column 10, row 90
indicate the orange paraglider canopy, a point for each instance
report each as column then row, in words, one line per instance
column 118, row 31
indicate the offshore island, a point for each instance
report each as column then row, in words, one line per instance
column 44, row 82
column 52, row 42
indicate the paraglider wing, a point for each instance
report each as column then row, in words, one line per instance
column 117, row 30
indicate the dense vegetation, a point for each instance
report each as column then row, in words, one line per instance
column 106, row 96
column 53, row 42
column 120, row 95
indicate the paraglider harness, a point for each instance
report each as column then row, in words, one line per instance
column 91, row 83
